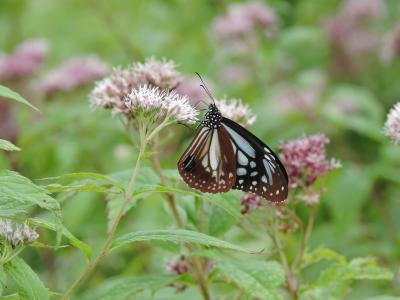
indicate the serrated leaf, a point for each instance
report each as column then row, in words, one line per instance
column 332, row 291
column 74, row 241
column 26, row 279
column 18, row 194
column 10, row 94
column 218, row 219
column 82, row 182
column 322, row 253
column 213, row 199
column 256, row 278
column 8, row 146
column 122, row 288
column 176, row 236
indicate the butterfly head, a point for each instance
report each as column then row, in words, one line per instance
column 212, row 118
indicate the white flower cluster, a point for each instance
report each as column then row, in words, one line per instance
column 235, row 110
column 17, row 234
column 392, row 125
column 144, row 89
column 153, row 102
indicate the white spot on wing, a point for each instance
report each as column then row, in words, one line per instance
column 268, row 169
column 241, row 171
column 214, row 151
column 241, row 142
column 242, row 159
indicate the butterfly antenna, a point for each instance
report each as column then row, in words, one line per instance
column 204, row 86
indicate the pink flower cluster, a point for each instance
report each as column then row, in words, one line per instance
column 305, row 159
column 298, row 100
column 249, row 202
column 72, row 74
column 391, row 45
column 24, row 61
column 179, row 265
column 239, row 24
column 352, row 33
column 392, row 125
column 111, row 91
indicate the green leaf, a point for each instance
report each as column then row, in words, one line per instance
column 26, row 279
column 383, row 298
column 3, row 280
column 122, row 288
column 345, row 206
column 322, row 253
column 332, row 291
column 256, row 278
column 364, row 114
column 334, row 282
column 10, row 94
column 81, row 182
column 18, row 194
column 213, row 199
column 8, row 146
column 177, row 236
column 52, row 225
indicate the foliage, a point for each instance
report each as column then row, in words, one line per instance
column 115, row 220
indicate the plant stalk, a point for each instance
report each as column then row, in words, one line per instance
column 106, row 246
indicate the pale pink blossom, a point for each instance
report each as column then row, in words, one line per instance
column 72, row 74
column 159, row 73
column 391, row 45
column 242, row 19
column 392, row 125
column 17, row 233
column 25, row 60
column 110, row 92
column 249, row 202
column 297, row 99
column 179, row 265
column 235, row 110
column 353, row 34
column 305, row 159
column 238, row 27
column 235, row 74
column 364, row 10
column 310, row 198
column 156, row 104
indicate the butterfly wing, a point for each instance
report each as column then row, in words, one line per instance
column 258, row 169
column 209, row 164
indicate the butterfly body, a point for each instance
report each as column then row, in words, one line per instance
column 224, row 155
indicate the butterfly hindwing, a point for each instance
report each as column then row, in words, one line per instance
column 208, row 163
column 258, row 169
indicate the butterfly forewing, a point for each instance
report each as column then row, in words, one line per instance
column 258, row 169
column 208, row 164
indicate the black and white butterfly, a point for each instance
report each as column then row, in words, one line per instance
column 224, row 155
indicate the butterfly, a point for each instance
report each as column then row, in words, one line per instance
column 224, row 155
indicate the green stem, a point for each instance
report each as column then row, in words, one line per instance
column 172, row 204
column 304, row 240
column 106, row 246
column 291, row 280
column 164, row 123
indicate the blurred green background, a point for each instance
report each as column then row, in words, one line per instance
column 295, row 82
